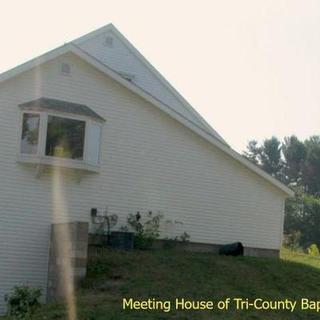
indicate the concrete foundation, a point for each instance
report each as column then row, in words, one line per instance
column 214, row 248
column 259, row 252
column 189, row 246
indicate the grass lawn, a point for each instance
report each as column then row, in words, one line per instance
column 168, row 274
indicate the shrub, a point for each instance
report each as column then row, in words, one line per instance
column 172, row 243
column 22, row 302
column 292, row 240
column 184, row 237
column 104, row 223
column 145, row 232
column 313, row 250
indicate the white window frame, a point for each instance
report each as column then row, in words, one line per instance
column 86, row 144
column 41, row 158
column 20, row 132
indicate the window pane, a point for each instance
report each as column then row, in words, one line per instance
column 65, row 138
column 93, row 147
column 30, row 133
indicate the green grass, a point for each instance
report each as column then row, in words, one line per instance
column 167, row 274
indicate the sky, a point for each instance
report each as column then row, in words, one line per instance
column 251, row 68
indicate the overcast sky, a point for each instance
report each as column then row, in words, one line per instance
column 250, row 68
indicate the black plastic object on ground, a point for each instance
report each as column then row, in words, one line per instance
column 232, row 249
column 121, row 240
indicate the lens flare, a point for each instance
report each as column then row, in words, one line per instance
column 64, row 245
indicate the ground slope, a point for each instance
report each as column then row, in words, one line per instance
column 168, row 274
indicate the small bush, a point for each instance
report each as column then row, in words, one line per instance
column 145, row 232
column 173, row 243
column 184, row 237
column 22, row 302
column 313, row 250
column 292, row 241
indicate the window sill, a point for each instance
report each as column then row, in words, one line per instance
column 58, row 162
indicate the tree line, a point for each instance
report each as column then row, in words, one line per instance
column 295, row 163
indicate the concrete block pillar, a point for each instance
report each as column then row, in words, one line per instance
column 67, row 258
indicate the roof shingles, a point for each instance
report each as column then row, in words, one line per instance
column 60, row 106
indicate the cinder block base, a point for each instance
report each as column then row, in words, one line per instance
column 67, row 258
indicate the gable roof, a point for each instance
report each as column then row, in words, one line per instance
column 118, row 58
column 60, row 105
column 71, row 47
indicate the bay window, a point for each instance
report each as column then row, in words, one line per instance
column 55, row 132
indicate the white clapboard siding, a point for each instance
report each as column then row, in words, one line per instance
column 122, row 57
column 148, row 162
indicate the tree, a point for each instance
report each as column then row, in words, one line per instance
column 267, row 156
column 270, row 156
column 302, row 216
column 294, row 212
column 311, row 166
column 297, row 164
column 310, row 226
column 253, row 152
column 294, row 153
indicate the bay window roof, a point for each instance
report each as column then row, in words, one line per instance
column 48, row 104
